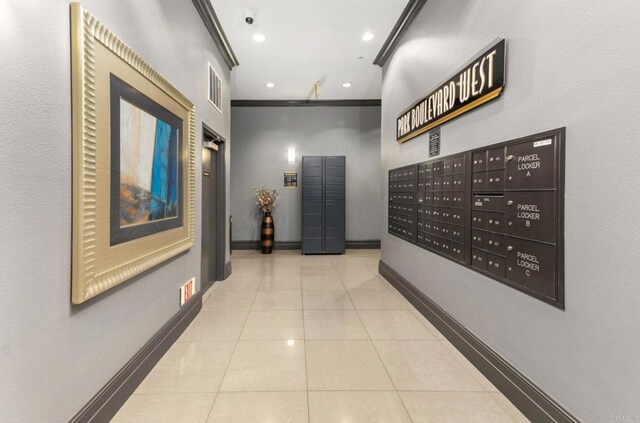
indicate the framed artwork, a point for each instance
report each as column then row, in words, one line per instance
column 133, row 162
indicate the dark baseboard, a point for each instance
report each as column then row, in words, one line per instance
column 106, row 403
column 373, row 244
column 255, row 245
column 297, row 245
column 530, row 399
column 227, row 270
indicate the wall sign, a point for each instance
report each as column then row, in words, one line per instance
column 480, row 81
column 434, row 142
column 290, row 179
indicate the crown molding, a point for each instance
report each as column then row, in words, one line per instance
column 304, row 103
column 408, row 15
column 210, row 19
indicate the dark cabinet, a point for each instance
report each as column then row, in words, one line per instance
column 323, row 204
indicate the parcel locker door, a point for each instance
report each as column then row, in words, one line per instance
column 532, row 215
column 312, row 205
column 531, row 165
column 334, row 207
column 532, row 265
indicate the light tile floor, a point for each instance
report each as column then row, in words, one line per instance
column 313, row 339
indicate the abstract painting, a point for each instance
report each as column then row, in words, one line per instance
column 145, row 165
column 148, row 167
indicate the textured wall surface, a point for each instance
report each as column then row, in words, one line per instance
column 261, row 138
column 54, row 356
column 567, row 65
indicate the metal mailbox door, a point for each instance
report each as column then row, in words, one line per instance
column 531, row 165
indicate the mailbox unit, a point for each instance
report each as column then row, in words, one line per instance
column 498, row 210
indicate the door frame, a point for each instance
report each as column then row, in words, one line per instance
column 220, row 202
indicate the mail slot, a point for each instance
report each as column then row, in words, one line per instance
column 458, row 182
column 531, row 165
column 478, row 239
column 479, row 161
column 495, row 159
column 447, row 167
column 496, row 265
column 478, row 259
column 457, row 217
column 457, row 251
column 488, row 203
column 445, row 246
column 495, row 180
column 495, row 222
column 532, row 215
column 447, row 199
column 532, row 265
column 437, row 183
column 478, row 220
column 479, row 181
column 445, row 230
column 456, row 233
column 495, row 243
column 458, row 165
column 448, row 214
column 447, row 183
column 458, row 199
column 437, row 169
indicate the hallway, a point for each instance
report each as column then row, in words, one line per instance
column 320, row 339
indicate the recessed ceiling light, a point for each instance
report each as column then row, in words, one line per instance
column 368, row 36
column 270, row 84
column 259, row 37
column 346, row 85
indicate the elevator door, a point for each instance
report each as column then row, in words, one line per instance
column 208, row 264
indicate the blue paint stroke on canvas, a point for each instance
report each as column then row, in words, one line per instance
column 148, row 167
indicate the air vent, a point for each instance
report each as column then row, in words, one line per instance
column 215, row 89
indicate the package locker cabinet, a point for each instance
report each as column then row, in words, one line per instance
column 323, row 204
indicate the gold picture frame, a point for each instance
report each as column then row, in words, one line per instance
column 99, row 263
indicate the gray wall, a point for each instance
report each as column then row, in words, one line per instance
column 568, row 65
column 261, row 138
column 54, row 356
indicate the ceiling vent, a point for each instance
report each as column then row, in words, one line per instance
column 215, row 89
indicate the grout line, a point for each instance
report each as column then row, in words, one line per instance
column 304, row 335
column 384, row 366
column 235, row 347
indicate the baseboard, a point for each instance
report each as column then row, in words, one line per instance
column 297, row 245
column 524, row 394
column 372, row 244
column 227, row 270
column 106, row 403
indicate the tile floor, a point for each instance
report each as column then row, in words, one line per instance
column 313, row 339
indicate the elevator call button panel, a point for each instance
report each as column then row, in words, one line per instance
column 498, row 210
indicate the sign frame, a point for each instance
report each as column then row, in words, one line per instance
column 487, row 68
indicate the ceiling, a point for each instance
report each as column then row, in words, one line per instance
column 307, row 41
